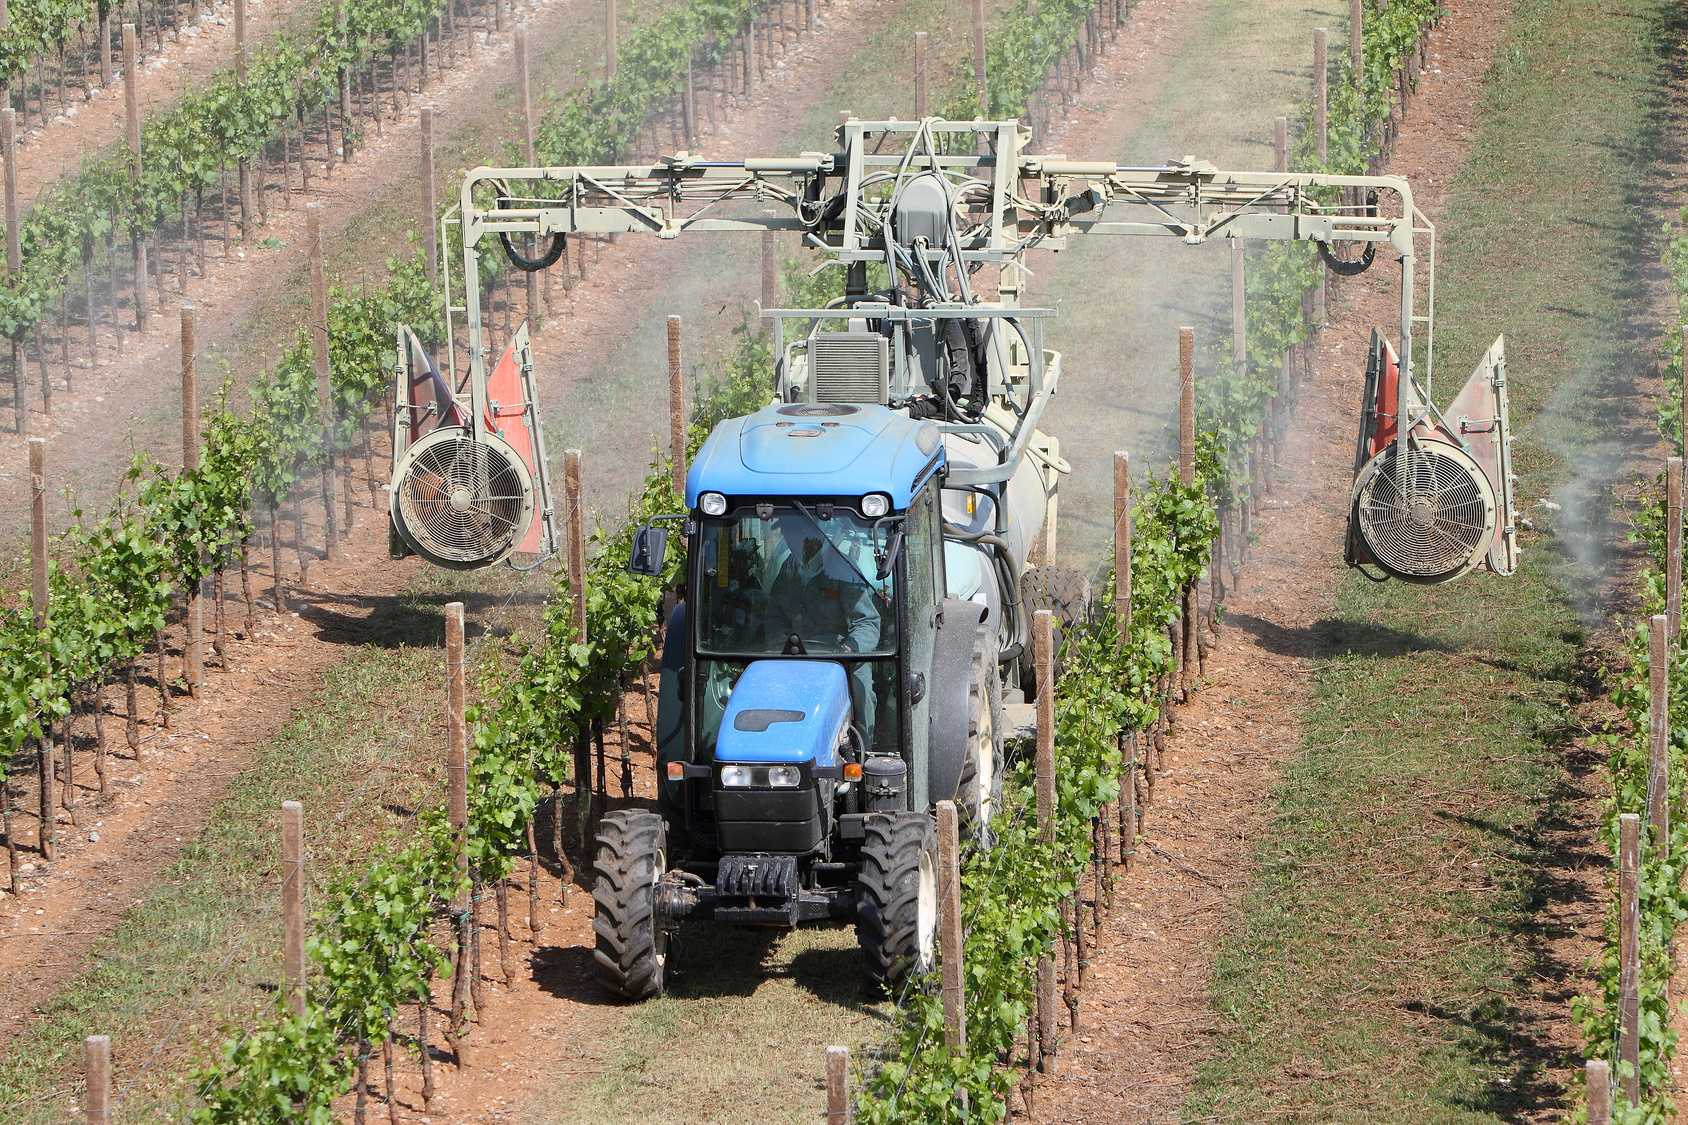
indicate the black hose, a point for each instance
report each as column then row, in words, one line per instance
column 534, row 265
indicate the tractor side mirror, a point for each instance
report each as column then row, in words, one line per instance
column 650, row 547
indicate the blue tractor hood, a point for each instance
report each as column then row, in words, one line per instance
column 785, row 711
column 817, row 449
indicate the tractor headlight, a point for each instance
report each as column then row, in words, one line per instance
column 784, row 777
column 713, row 504
column 735, row 777
column 875, row 504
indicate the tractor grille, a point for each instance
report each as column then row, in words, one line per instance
column 849, row 367
column 1433, row 518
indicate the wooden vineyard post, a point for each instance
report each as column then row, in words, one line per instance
column 949, row 927
column 430, row 233
column 525, row 97
column 457, row 812
column 1043, row 650
column 240, row 39
column 676, row 411
column 1356, row 44
column 1187, row 477
column 576, row 542
column 575, row 532
column 1629, row 956
column 838, row 1086
column 979, row 58
column 919, row 74
column 1321, row 93
column 1280, row 144
column 1673, row 546
column 193, row 647
column 1598, row 1080
column 609, row 41
column 47, row 837
column 96, row 1053
column 292, row 903
column 770, row 268
column 1122, row 546
column 1658, row 741
column 132, row 123
column 14, row 261
column 1186, row 405
column 325, row 390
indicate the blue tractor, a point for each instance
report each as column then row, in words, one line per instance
column 838, row 664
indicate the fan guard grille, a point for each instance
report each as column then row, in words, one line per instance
column 1432, row 521
column 462, row 501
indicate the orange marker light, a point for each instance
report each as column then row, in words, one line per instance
column 852, row 771
column 676, row 771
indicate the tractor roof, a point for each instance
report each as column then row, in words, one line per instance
column 816, row 449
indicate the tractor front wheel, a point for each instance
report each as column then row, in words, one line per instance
column 632, row 949
column 897, row 900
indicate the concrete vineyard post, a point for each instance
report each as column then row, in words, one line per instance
column 1658, row 740
column 838, row 1086
column 576, row 542
column 1673, row 546
column 1629, row 955
column 1043, row 640
column 1280, row 144
column 457, row 813
column 676, row 411
column 96, row 1053
column 193, row 648
column 292, row 903
column 979, row 57
column 609, row 41
column 1321, row 93
column 14, row 261
column 949, row 927
column 430, row 233
column 1356, row 44
column 919, row 74
column 1598, row 1079
column 525, row 98
column 1122, row 546
column 132, row 124
column 48, row 834
column 325, row 390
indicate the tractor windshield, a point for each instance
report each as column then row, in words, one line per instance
column 763, row 581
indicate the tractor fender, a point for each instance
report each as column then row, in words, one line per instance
column 671, row 713
column 957, row 625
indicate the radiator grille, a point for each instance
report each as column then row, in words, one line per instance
column 849, row 367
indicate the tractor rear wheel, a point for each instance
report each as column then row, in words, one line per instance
column 1065, row 592
column 897, row 900
column 632, row 949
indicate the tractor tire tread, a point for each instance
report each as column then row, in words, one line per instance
column 627, row 955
